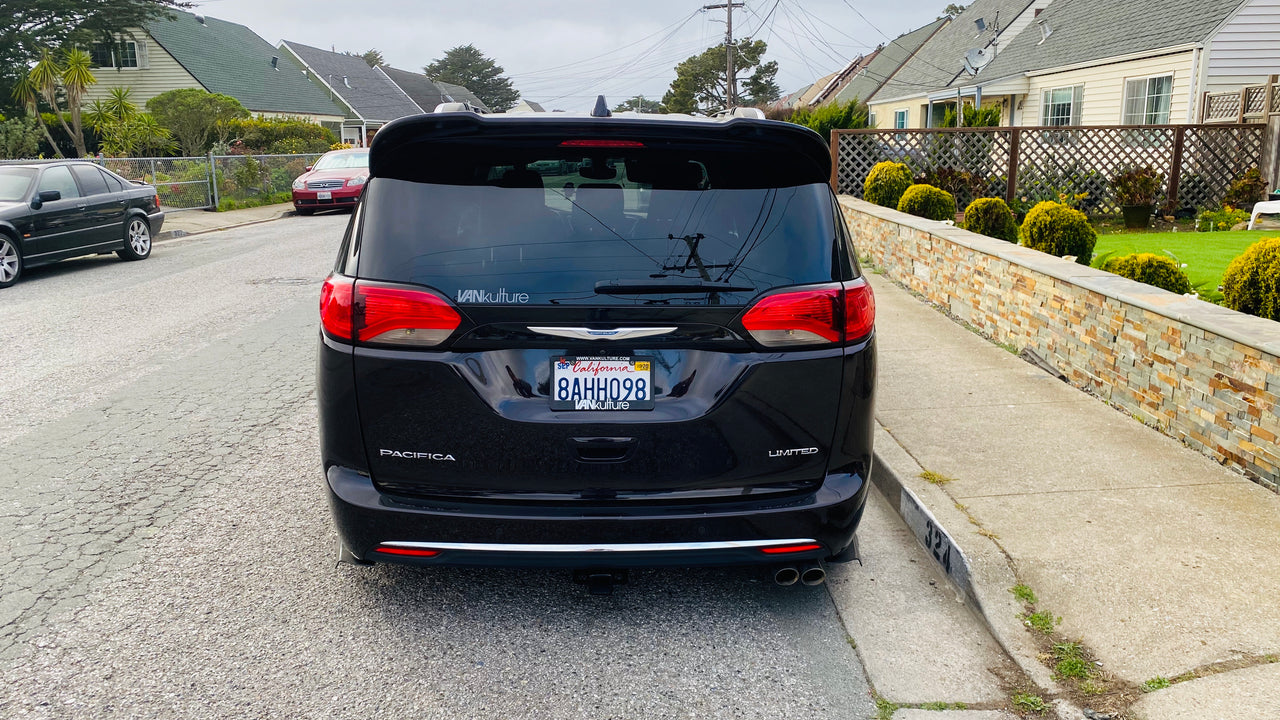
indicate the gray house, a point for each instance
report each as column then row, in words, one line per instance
column 370, row 98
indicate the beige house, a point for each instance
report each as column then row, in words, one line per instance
column 193, row 51
column 1086, row 62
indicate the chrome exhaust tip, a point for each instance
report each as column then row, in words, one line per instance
column 813, row 575
column 785, row 576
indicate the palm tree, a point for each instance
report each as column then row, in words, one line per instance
column 73, row 80
column 26, row 93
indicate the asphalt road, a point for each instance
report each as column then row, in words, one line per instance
column 165, row 547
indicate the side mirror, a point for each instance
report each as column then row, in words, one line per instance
column 309, row 168
column 45, row 196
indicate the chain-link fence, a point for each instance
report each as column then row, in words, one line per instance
column 198, row 183
column 182, row 183
column 253, row 177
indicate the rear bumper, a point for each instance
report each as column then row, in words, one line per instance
column 339, row 197
column 613, row 536
column 156, row 221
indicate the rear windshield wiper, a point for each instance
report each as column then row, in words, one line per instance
column 666, row 285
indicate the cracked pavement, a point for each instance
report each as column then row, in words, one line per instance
column 166, row 549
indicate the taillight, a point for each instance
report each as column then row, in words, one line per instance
column 335, row 306
column 408, row 552
column 402, row 316
column 380, row 313
column 824, row 315
column 787, row 549
column 859, row 310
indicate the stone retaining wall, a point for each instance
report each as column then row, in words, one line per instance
column 1198, row 372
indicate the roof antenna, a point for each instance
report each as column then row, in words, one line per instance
column 601, row 109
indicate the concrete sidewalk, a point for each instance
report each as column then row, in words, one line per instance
column 1163, row 564
column 191, row 222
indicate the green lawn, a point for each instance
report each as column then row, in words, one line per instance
column 1206, row 255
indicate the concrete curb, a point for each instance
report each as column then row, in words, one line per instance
column 980, row 573
column 167, row 236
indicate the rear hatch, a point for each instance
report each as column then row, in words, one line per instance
column 599, row 310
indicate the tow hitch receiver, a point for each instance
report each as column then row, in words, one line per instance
column 600, row 581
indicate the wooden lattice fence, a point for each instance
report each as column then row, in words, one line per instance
column 1025, row 165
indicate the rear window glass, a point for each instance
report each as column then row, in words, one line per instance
column 552, row 230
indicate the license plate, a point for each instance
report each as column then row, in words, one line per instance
column 601, row 383
column 324, row 195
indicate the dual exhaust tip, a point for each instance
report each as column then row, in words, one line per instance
column 813, row 574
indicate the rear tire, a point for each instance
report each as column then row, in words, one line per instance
column 10, row 261
column 137, row 239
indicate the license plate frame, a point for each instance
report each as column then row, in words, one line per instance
column 604, row 373
column 324, row 195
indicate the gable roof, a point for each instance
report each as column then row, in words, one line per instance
column 230, row 59
column 1088, row 30
column 370, row 93
column 527, row 106
column 879, row 67
column 941, row 59
column 461, row 94
column 417, row 86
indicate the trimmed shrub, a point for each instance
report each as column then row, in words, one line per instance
column 991, row 217
column 928, row 202
column 1252, row 281
column 886, row 183
column 1157, row 270
column 1059, row 230
column 1247, row 189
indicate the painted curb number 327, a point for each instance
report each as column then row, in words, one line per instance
column 938, row 544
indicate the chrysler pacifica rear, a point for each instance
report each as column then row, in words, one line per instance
column 588, row 342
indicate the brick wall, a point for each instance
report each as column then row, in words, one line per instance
column 1198, row 372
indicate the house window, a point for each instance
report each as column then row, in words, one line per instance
column 871, row 120
column 1147, row 101
column 123, row 54
column 900, row 119
column 1061, row 106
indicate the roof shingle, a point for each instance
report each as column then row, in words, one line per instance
column 230, row 59
column 370, row 93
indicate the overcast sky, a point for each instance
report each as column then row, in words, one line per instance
column 564, row 53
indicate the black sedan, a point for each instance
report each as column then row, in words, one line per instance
column 54, row 211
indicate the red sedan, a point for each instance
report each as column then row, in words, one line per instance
column 334, row 181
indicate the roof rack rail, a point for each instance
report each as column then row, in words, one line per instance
column 458, row 107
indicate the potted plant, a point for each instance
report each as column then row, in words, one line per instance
column 1136, row 191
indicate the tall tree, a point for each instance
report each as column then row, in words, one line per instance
column 951, row 11
column 639, row 103
column 55, row 82
column 373, row 58
column 30, row 26
column 702, row 81
column 193, row 115
column 465, row 65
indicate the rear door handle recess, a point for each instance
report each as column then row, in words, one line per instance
column 603, row 449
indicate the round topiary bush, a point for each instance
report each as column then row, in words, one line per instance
column 885, row 184
column 1059, row 230
column 928, row 202
column 1252, row 281
column 1157, row 270
column 991, row 217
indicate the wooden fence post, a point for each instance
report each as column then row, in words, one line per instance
column 1175, row 171
column 1204, row 107
column 1015, row 142
column 835, row 162
column 1244, row 102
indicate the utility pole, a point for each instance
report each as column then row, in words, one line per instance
column 731, row 99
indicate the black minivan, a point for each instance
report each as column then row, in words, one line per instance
column 596, row 342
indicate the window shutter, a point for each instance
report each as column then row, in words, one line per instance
column 144, row 57
column 1077, row 103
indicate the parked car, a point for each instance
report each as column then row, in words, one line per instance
column 676, row 367
column 334, row 181
column 53, row 211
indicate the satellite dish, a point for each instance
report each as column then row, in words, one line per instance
column 977, row 59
